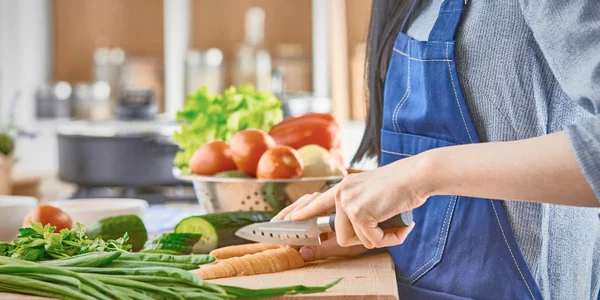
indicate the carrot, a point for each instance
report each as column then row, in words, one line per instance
column 268, row 261
column 241, row 250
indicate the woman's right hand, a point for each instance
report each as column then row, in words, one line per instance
column 329, row 247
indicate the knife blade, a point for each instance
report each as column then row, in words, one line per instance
column 305, row 232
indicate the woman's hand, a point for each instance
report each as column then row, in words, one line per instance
column 362, row 201
column 329, row 247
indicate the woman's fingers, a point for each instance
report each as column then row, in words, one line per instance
column 323, row 204
column 385, row 238
column 362, row 238
column 301, row 202
column 344, row 231
column 330, row 248
column 305, row 202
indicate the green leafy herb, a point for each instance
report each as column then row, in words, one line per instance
column 39, row 242
column 5, row 248
column 208, row 117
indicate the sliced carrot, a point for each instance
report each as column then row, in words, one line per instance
column 294, row 258
column 245, row 265
column 231, row 270
column 268, row 261
column 241, row 250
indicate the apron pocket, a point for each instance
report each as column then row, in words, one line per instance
column 424, row 247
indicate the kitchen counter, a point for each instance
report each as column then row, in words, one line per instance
column 367, row 277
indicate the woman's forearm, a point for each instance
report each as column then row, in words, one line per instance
column 541, row 169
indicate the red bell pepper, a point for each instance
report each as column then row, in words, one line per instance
column 309, row 129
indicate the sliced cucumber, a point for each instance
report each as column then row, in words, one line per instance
column 209, row 239
column 218, row 229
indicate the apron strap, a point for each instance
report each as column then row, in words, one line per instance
column 447, row 22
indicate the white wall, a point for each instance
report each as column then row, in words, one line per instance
column 25, row 52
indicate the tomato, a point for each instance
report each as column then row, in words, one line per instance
column 212, row 158
column 280, row 162
column 48, row 214
column 247, row 146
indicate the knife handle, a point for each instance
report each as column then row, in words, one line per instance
column 404, row 219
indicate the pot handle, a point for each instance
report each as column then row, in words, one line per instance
column 161, row 144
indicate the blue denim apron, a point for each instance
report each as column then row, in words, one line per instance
column 460, row 247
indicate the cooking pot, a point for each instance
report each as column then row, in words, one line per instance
column 117, row 153
column 299, row 103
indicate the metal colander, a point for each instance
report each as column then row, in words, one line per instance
column 250, row 194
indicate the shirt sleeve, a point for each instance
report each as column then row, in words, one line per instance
column 568, row 34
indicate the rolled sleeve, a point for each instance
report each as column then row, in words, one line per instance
column 585, row 139
column 568, row 34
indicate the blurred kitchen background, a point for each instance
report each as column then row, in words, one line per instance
column 85, row 79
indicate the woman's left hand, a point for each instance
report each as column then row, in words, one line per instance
column 362, row 201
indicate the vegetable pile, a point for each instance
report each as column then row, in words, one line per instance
column 241, row 134
column 148, row 276
column 208, row 117
column 254, row 153
column 69, row 265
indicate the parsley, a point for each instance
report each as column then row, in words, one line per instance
column 39, row 242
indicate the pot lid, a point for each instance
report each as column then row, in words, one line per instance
column 117, row 128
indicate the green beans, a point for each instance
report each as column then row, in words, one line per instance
column 80, row 278
column 134, row 284
column 36, row 268
column 185, row 259
column 60, row 279
column 94, row 259
column 133, row 294
column 272, row 292
column 156, row 271
column 36, row 292
column 28, row 284
column 140, row 264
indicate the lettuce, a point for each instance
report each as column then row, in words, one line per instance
column 208, row 117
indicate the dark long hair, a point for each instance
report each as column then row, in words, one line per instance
column 388, row 17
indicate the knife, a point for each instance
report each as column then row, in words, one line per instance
column 306, row 232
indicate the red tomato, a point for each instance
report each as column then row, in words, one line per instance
column 212, row 158
column 247, row 146
column 280, row 162
column 48, row 214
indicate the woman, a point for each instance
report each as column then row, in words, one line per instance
column 523, row 77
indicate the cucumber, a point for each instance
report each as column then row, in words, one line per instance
column 113, row 228
column 274, row 193
column 218, row 229
column 182, row 243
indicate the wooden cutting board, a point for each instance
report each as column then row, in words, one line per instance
column 366, row 277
